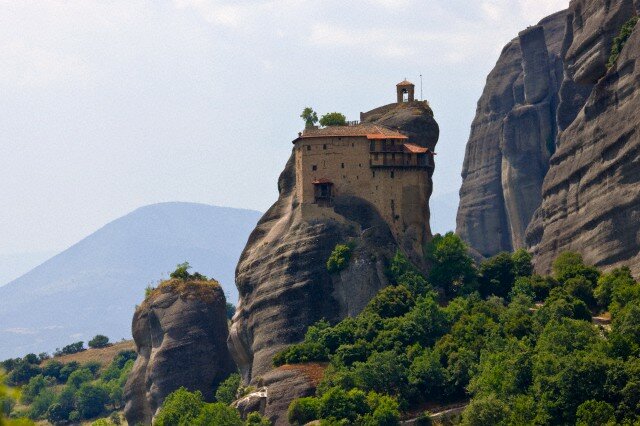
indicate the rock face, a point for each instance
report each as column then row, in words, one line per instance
column 180, row 332
column 512, row 137
column 282, row 276
column 591, row 194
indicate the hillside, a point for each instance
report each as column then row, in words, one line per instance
column 93, row 286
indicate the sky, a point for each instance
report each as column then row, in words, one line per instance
column 107, row 106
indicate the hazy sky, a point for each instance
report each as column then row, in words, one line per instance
column 106, row 106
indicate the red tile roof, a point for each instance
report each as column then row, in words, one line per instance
column 369, row 131
column 405, row 83
column 415, row 149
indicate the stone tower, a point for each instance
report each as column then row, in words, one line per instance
column 405, row 88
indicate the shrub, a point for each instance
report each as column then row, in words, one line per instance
column 73, row 348
column 309, row 116
column 228, row 389
column 301, row 353
column 339, row 258
column 78, row 377
column 216, row 414
column 497, row 275
column 41, row 403
column 179, row 407
column 385, row 411
column 570, row 265
column 451, row 266
column 486, row 411
column 304, row 410
column 52, row 369
column 620, row 41
column 99, row 341
column 231, row 310
column 595, row 413
column 66, row 371
column 255, row 419
column 522, row 266
column 391, row 302
column 182, row 273
column 333, row 119
column 91, row 400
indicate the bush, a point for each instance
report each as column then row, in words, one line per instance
column 180, row 407
column 231, row 310
column 570, row 265
column 52, row 369
column 451, row 266
column 216, row 414
column 66, row 371
column 182, row 273
column 301, row 353
column 340, row 257
column 78, row 377
column 620, row 41
column 255, row 419
column 333, row 119
column 41, row 403
column 73, row 348
column 99, row 341
column 91, row 400
column 304, row 410
column 595, row 413
column 497, row 275
column 228, row 389
column 391, row 302
column 486, row 411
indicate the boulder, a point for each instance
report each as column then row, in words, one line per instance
column 180, row 331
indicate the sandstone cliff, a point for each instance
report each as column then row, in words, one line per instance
column 282, row 277
column 591, row 194
column 180, row 332
column 512, row 137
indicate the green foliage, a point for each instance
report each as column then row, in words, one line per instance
column 402, row 272
column 72, row 348
column 301, row 353
column 391, row 302
column 485, row 411
column 180, row 407
column 620, row 41
column 595, row 413
column 497, row 275
column 91, row 399
column 304, row 410
column 339, row 258
column 451, row 266
column 228, row 389
column 255, row 419
column 182, row 273
column 333, row 119
column 41, row 403
column 570, row 265
column 522, row 266
column 231, row 310
column 99, row 341
column 78, row 377
column 309, row 116
column 215, row 414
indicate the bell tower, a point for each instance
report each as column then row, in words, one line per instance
column 405, row 90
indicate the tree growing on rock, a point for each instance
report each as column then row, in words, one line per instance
column 309, row 116
column 333, row 119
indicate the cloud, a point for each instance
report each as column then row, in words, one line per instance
column 20, row 330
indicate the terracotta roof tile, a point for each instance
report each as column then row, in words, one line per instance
column 370, row 131
column 405, row 83
column 415, row 149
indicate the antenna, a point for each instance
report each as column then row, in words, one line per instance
column 421, row 98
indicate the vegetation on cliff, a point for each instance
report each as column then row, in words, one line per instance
column 621, row 40
column 521, row 347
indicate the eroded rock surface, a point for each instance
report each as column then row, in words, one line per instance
column 512, row 138
column 180, row 332
column 282, row 276
column 591, row 194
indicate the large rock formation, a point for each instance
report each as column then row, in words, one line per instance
column 591, row 194
column 180, row 332
column 512, row 138
column 282, row 276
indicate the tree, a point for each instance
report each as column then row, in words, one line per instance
column 180, row 407
column 309, row 116
column 485, row 411
column 304, row 410
column 91, row 400
column 99, row 341
column 595, row 413
column 228, row 389
column 570, row 265
column 78, row 377
column 217, row 414
column 451, row 266
column 231, row 310
column 339, row 258
column 333, row 119
column 182, row 273
column 522, row 266
column 497, row 275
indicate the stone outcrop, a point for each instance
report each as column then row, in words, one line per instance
column 282, row 276
column 180, row 332
column 512, row 137
column 591, row 194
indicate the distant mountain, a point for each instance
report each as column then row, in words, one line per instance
column 14, row 265
column 93, row 286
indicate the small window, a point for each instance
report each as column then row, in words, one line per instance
column 374, row 174
column 308, row 147
column 392, row 174
column 352, row 144
column 342, row 165
column 314, row 168
column 324, row 146
column 372, row 146
column 360, row 164
column 375, row 156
